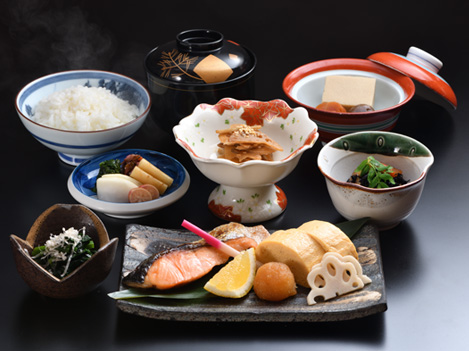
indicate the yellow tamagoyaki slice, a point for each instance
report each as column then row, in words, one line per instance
column 155, row 172
column 296, row 248
column 145, row 178
column 330, row 237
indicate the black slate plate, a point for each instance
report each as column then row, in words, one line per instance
column 141, row 241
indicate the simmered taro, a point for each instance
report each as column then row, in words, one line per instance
column 336, row 107
column 331, row 107
column 373, row 174
column 361, row 108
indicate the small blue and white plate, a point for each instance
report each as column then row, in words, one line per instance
column 83, row 179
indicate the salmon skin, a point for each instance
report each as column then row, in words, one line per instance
column 188, row 262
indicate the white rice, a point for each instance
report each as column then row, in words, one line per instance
column 83, row 108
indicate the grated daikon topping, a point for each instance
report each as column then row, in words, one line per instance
column 56, row 242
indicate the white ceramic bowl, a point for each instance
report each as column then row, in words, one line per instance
column 247, row 192
column 83, row 179
column 74, row 147
column 386, row 207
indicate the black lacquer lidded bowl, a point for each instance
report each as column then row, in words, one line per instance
column 200, row 66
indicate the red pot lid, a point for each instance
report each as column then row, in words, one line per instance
column 423, row 69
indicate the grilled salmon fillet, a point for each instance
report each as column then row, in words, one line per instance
column 188, row 262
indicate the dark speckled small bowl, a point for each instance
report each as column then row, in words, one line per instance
column 83, row 279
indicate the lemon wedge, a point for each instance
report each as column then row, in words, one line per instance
column 234, row 280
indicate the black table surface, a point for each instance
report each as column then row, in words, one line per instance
column 424, row 258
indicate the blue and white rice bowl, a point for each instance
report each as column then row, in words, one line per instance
column 75, row 147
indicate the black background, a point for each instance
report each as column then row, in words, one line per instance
column 424, row 258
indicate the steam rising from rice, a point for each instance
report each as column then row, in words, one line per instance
column 83, row 108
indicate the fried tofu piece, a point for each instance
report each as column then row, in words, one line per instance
column 349, row 91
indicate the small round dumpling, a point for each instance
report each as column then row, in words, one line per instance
column 274, row 281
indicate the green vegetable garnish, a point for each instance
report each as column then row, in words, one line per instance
column 108, row 167
column 63, row 253
column 376, row 172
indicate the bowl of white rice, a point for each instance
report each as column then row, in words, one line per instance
column 83, row 113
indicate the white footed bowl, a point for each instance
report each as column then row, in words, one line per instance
column 385, row 207
column 246, row 192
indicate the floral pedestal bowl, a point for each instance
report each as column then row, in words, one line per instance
column 246, row 192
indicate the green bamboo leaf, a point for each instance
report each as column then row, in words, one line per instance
column 197, row 293
column 350, row 228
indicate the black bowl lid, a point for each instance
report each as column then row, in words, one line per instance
column 199, row 56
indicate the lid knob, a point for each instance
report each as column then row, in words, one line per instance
column 199, row 40
column 425, row 59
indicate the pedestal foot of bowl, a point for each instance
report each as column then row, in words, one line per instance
column 247, row 205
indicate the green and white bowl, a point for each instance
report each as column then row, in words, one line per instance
column 386, row 207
